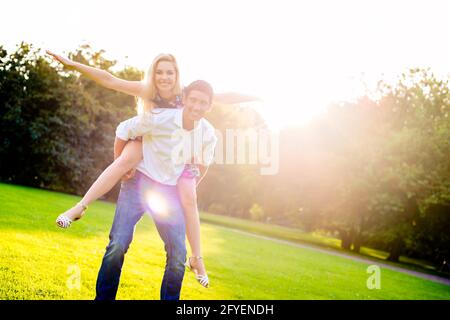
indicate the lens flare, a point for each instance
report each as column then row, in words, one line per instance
column 157, row 204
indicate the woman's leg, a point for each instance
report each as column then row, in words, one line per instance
column 188, row 196
column 129, row 158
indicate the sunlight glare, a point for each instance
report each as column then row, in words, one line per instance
column 157, row 203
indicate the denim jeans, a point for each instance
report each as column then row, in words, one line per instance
column 138, row 195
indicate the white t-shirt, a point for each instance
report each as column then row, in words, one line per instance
column 167, row 147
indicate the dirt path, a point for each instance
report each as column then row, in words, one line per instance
column 340, row 254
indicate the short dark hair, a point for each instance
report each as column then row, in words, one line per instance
column 200, row 85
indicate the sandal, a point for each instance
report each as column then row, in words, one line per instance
column 64, row 221
column 202, row 279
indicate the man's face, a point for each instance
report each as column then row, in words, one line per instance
column 196, row 105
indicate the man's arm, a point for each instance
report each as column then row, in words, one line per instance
column 131, row 129
column 203, row 170
column 135, row 127
column 207, row 157
column 119, row 144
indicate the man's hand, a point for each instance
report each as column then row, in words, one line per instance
column 130, row 174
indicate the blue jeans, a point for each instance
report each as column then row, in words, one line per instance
column 136, row 196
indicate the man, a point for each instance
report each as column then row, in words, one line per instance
column 153, row 188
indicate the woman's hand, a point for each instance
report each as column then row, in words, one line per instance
column 66, row 62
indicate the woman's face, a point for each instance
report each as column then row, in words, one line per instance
column 165, row 76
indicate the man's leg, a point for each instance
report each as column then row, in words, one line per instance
column 128, row 212
column 170, row 223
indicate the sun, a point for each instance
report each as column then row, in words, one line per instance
column 293, row 110
column 304, row 100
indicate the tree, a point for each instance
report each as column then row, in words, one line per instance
column 57, row 128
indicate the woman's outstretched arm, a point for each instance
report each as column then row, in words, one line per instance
column 102, row 77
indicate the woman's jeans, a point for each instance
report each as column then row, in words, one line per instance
column 138, row 195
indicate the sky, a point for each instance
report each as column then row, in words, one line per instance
column 296, row 56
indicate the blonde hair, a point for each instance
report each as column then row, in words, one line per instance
column 146, row 104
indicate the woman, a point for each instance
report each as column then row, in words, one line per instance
column 160, row 88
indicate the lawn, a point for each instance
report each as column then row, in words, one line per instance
column 319, row 239
column 39, row 260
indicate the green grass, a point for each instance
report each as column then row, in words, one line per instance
column 320, row 239
column 35, row 257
